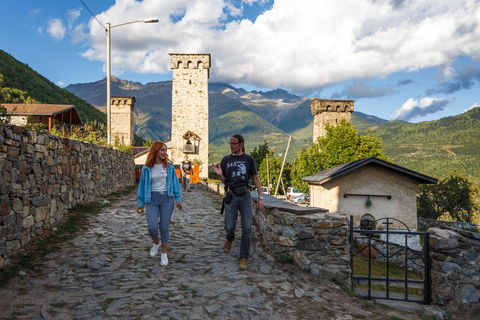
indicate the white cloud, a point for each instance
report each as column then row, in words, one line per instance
column 302, row 45
column 72, row 16
column 60, row 83
column 56, row 29
column 414, row 109
column 475, row 105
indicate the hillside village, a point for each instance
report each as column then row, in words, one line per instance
column 366, row 190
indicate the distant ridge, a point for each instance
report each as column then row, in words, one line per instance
column 434, row 148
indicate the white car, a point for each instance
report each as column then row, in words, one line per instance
column 292, row 193
column 301, row 199
column 265, row 190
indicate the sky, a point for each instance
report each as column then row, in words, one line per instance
column 404, row 60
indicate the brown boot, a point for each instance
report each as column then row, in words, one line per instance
column 227, row 246
column 243, row 264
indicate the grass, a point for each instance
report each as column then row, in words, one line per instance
column 379, row 269
column 76, row 221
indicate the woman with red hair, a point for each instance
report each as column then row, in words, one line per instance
column 157, row 187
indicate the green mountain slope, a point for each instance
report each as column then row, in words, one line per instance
column 20, row 76
column 254, row 129
column 435, row 147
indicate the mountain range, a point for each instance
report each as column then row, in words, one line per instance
column 270, row 116
column 434, row 148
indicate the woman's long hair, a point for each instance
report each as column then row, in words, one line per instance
column 240, row 140
column 153, row 151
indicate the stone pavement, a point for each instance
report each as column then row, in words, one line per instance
column 106, row 273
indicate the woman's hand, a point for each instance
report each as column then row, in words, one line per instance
column 179, row 205
column 140, row 210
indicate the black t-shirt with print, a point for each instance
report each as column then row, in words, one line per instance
column 187, row 165
column 238, row 168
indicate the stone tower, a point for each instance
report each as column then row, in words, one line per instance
column 329, row 111
column 122, row 119
column 190, row 108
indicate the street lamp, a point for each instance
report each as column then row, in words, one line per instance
column 109, row 69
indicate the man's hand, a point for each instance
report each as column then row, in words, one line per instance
column 260, row 204
column 217, row 169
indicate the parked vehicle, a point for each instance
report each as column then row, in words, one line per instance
column 292, row 193
column 301, row 199
column 265, row 190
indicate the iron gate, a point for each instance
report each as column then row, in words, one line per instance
column 366, row 241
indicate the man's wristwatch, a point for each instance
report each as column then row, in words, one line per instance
column 260, row 198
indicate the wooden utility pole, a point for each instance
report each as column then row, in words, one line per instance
column 283, row 164
column 268, row 177
column 284, row 192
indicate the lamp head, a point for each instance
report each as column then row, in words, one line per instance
column 151, row 20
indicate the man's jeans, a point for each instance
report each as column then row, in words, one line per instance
column 186, row 182
column 159, row 214
column 243, row 204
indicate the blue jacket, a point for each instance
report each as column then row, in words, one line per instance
column 144, row 185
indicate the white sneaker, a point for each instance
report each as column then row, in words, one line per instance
column 154, row 250
column 164, row 261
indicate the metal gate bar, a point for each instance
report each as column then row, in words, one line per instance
column 389, row 281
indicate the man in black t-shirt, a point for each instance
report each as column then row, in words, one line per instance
column 235, row 171
column 187, row 171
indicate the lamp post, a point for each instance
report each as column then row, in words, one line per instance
column 109, row 69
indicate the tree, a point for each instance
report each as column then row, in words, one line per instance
column 274, row 167
column 341, row 144
column 259, row 154
column 449, row 198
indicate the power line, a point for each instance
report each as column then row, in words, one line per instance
column 93, row 15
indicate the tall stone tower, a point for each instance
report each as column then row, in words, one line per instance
column 190, row 108
column 122, row 119
column 329, row 111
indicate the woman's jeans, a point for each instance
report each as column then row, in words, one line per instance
column 159, row 214
column 243, row 204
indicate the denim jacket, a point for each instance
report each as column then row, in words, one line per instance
column 144, row 185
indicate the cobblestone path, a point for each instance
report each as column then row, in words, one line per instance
column 106, row 273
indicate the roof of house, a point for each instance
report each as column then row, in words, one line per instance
column 139, row 151
column 24, row 109
column 340, row 170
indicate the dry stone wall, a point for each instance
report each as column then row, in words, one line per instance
column 41, row 176
column 423, row 223
column 312, row 238
column 455, row 274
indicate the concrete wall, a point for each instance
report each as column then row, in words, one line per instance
column 455, row 260
column 190, row 106
column 371, row 180
column 41, row 176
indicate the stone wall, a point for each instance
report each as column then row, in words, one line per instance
column 423, row 223
column 190, row 73
column 329, row 111
column 122, row 119
column 312, row 238
column 317, row 241
column 455, row 273
column 211, row 186
column 41, row 176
